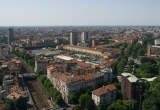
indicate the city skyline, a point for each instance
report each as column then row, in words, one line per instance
column 79, row 12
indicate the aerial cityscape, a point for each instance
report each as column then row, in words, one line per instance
column 80, row 60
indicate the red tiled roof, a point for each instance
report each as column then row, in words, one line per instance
column 76, row 78
column 80, row 63
column 104, row 90
column 88, row 77
column 111, row 87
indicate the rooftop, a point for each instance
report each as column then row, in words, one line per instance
column 64, row 57
column 45, row 52
column 132, row 78
column 104, row 90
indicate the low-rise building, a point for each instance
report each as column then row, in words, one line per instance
column 13, row 88
column 105, row 95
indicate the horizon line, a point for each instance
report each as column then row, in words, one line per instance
column 77, row 25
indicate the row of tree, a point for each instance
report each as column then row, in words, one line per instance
column 82, row 100
column 151, row 99
column 27, row 58
column 119, row 65
column 50, row 90
column 149, row 67
column 19, row 104
column 136, row 50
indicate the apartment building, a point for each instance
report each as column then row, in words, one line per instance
column 105, row 95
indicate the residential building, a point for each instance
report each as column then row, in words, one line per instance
column 73, row 38
column 157, row 42
column 153, row 50
column 131, row 86
column 84, row 37
column 41, row 64
column 66, row 82
column 105, row 95
column 4, row 50
column 93, row 51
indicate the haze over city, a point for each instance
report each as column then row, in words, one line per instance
column 79, row 55
column 79, row 12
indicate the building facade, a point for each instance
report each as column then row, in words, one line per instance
column 84, row 37
column 41, row 64
column 157, row 42
column 4, row 50
column 131, row 86
column 66, row 84
column 73, row 38
column 105, row 95
column 153, row 50
column 11, row 36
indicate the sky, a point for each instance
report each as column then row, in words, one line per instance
column 79, row 12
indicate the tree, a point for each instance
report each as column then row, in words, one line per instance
column 147, row 70
column 10, row 105
column 59, row 100
column 131, row 104
column 73, row 98
column 131, row 62
column 19, row 104
column 86, row 102
column 76, row 107
column 39, row 72
column 101, row 106
column 141, row 52
column 152, row 96
column 118, row 105
column 50, row 90
column 147, row 60
column 42, row 79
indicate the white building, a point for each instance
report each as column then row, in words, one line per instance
column 105, row 95
column 84, row 36
column 157, row 42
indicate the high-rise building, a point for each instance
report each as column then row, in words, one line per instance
column 131, row 86
column 93, row 42
column 84, row 37
column 73, row 38
column 11, row 35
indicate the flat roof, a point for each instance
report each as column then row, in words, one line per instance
column 130, row 77
column 155, row 46
column 45, row 52
column 64, row 57
column 149, row 79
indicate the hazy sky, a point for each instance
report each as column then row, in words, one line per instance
column 79, row 12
